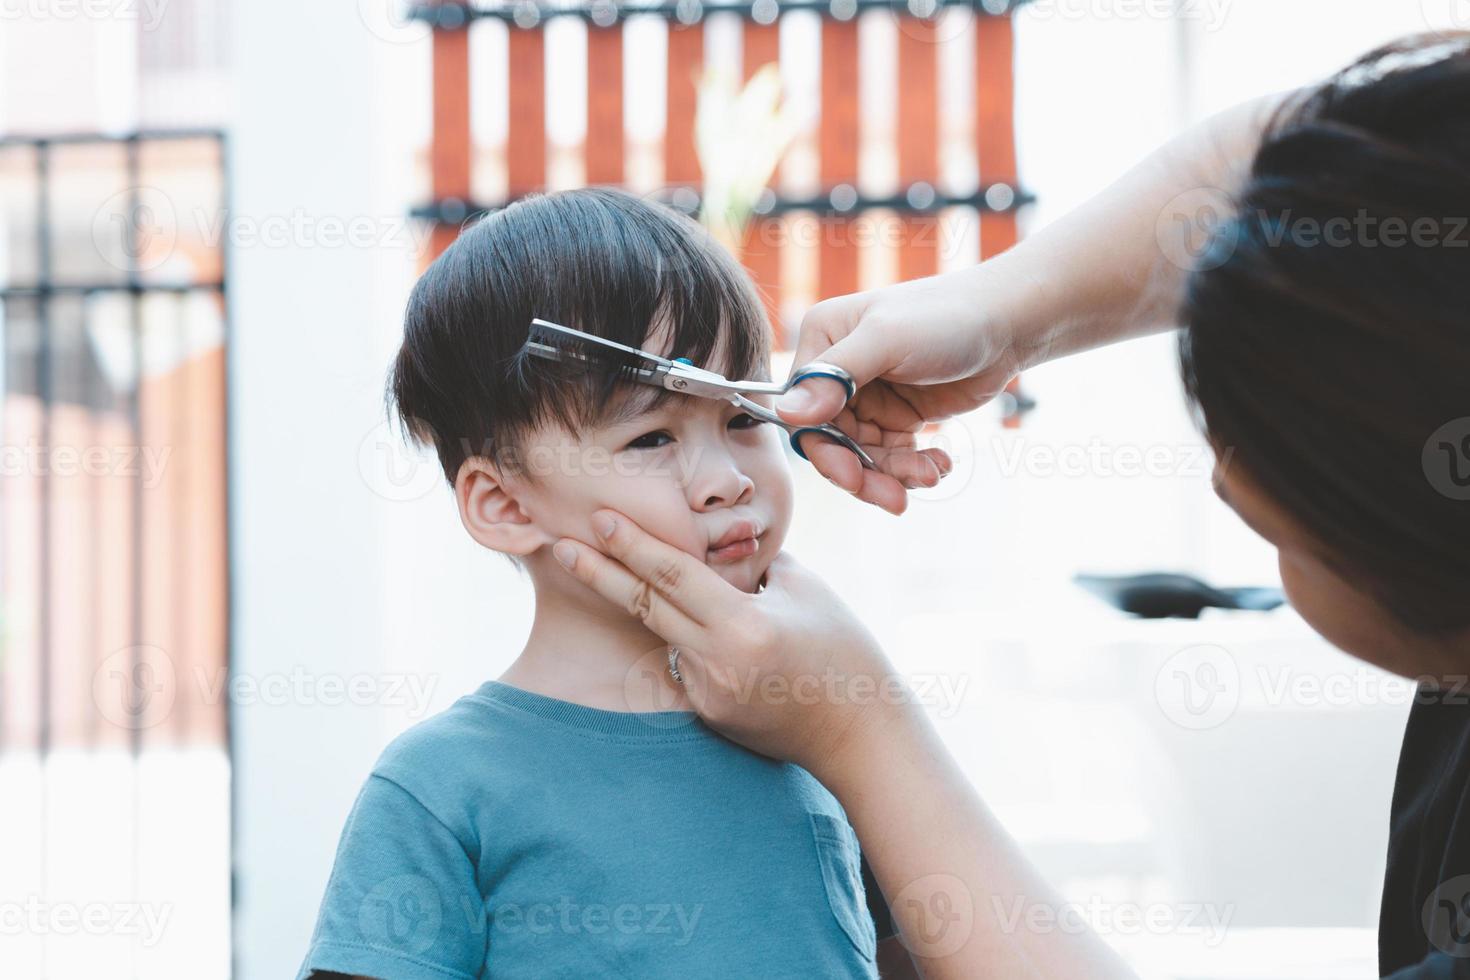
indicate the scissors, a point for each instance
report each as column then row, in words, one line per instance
column 558, row 343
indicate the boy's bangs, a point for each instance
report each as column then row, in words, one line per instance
column 657, row 287
column 596, row 259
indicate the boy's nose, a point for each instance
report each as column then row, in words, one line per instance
column 720, row 485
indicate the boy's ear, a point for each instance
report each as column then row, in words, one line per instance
column 492, row 516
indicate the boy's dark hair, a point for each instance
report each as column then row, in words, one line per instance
column 597, row 259
column 1328, row 365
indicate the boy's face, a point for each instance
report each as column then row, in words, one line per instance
column 702, row 475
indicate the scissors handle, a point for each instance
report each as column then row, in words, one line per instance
column 829, row 431
column 794, row 432
column 821, row 369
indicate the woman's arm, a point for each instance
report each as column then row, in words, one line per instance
column 965, row 899
column 1116, row 266
column 932, row 348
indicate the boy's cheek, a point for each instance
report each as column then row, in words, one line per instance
column 563, row 505
column 776, row 491
column 665, row 515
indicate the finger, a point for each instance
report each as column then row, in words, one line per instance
column 899, row 471
column 910, row 466
column 836, row 462
column 943, row 460
column 887, row 408
column 615, row 583
column 824, row 323
column 884, row 492
column 678, row 577
column 839, row 465
column 813, row 401
column 861, row 350
column 913, row 467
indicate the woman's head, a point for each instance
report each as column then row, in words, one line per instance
column 1327, row 347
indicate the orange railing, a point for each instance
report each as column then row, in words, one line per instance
column 988, row 197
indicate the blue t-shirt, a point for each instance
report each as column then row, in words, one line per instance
column 516, row 835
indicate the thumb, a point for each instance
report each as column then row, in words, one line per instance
column 866, row 353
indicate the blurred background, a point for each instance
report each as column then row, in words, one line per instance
column 225, row 583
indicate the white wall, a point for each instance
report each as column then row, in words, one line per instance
column 317, row 150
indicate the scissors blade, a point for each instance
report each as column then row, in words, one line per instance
column 557, row 342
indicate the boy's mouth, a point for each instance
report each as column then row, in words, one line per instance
column 741, row 541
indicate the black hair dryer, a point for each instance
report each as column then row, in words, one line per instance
column 1164, row 595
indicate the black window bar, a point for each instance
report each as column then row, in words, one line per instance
column 920, row 197
column 85, row 383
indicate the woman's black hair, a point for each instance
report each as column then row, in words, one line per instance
column 599, row 260
column 1327, row 340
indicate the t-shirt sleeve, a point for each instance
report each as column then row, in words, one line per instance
column 877, row 906
column 1435, row 966
column 402, row 902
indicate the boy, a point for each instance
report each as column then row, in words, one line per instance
column 554, row 823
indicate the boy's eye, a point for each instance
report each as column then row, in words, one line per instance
column 651, row 440
column 745, row 421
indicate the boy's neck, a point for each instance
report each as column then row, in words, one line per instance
column 595, row 656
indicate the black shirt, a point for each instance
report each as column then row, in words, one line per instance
column 1424, row 924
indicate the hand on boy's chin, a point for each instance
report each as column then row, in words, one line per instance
column 745, row 575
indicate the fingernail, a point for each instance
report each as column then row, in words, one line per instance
column 606, row 525
column 565, row 554
column 795, row 400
